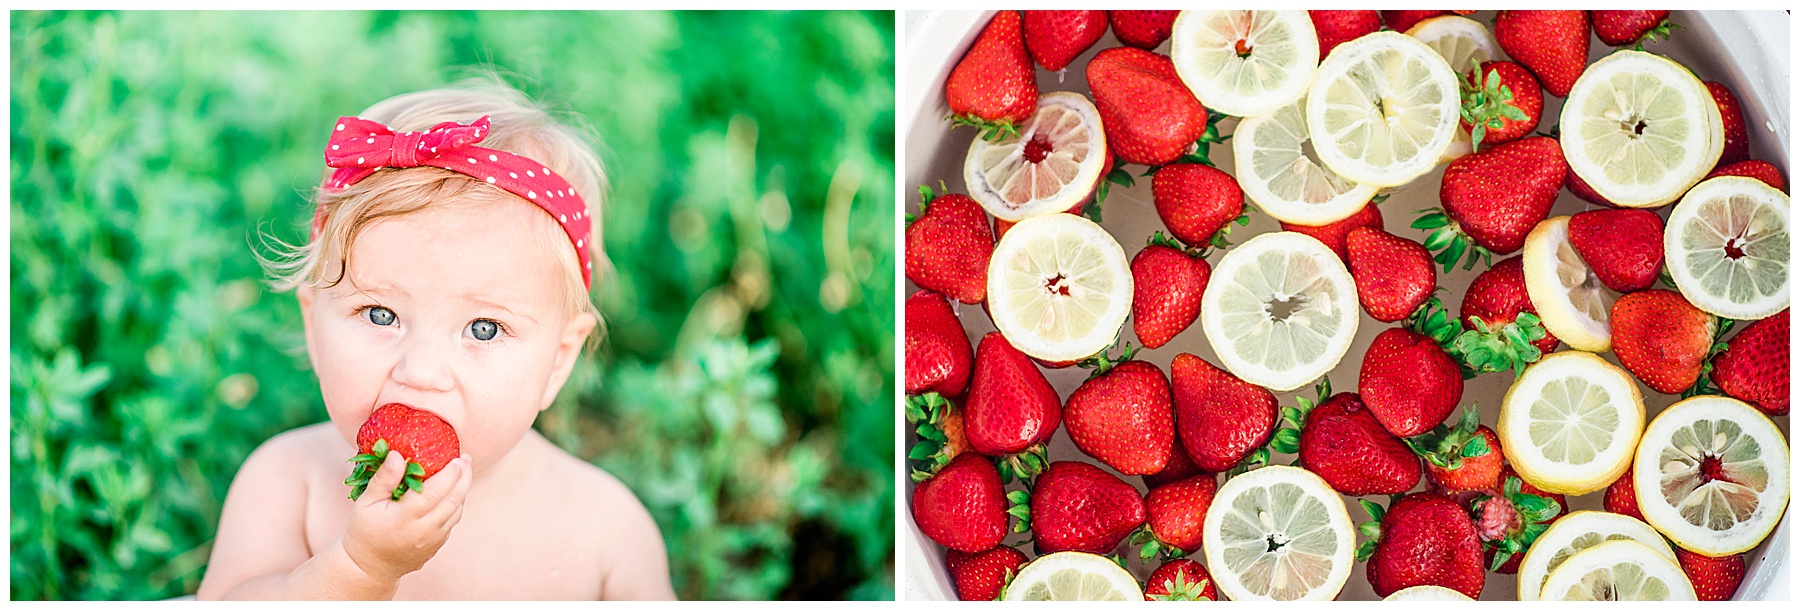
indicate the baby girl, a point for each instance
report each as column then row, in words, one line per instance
column 450, row 269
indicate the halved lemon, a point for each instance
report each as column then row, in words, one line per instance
column 1280, row 310
column 1463, row 42
column 1570, row 423
column 1618, row 570
column 1712, row 475
column 1053, row 164
column 1726, row 244
column 1570, row 299
column 1059, row 287
column 1576, row 532
column 1073, row 576
column 1278, row 172
column 1428, row 593
column 1640, row 129
column 1383, row 109
column 1278, row 533
column 1245, row 63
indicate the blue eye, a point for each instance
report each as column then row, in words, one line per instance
column 379, row 315
column 484, row 329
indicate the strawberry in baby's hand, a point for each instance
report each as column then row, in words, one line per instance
column 425, row 440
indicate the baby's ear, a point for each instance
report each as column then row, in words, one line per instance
column 568, row 350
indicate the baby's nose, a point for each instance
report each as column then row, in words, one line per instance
column 424, row 365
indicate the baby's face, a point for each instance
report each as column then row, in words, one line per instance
column 451, row 310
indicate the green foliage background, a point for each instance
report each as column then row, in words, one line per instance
column 747, row 407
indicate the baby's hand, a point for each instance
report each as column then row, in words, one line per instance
column 390, row 538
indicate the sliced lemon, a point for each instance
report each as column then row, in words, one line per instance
column 1245, row 63
column 1278, row 533
column 1428, row 593
column 1570, row 423
column 1059, row 287
column 1570, row 299
column 1383, row 109
column 1726, row 244
column 1280, row 310
column 1054, row 163
column 1640, row 129
column 1073, row 576
column 1618, row 570
column 1576, row 532
column 1712, row 475
column 1463, row 42
column 1276, row 170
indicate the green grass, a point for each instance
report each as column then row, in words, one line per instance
column 743, row 393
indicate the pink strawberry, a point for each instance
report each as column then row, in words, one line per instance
column 938, row 355
column 1176, row 513
column 1180, row 580
column 1661, row 338
column 1078, row 506
column 1423, row 539
column 1142, row 29
column 994, row 87
column 1737, row 136
column 1344, row 444
column 1338, row 27
column 1493, row 198
column 1408, row 382
column 1553, row 44
column 983, row 575
column 1011, row 407
column 1624, row 247
column 1195, row 201
column 1056, row 38
column 1220, row 418
column 1167, row 281
column 1510, row 517
column 1393, row 275
column 962, row 507
column 1149, row 116
column 1754, row 365
column 1401, row 21
column 1754, row 168
column 1501, row 102
column 1713, row 578
column 948, row 247
column 1626, row 28
column 1334, row 234
column 1122, row 415
column 1621, row 497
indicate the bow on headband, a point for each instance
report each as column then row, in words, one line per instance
column 359, row 147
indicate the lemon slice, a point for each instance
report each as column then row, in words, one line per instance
column 1463, row 42
column 1727, row 247
column 1640, row 129
column 1054, row 163
column 1383, row 109
column 1618, row 570
column 1712, row 475
column 1570, row 423
column 1428, row 593
column 1073, row 576
column 1276, row 172
column 1245, row 63
column 1576, row 532
column 1278, row 533
column 1059, row 287
column 1280, row 310
column 1570, row 299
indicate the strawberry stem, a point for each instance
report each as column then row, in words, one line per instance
column 991, row 131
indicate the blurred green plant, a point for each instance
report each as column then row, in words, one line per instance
column 743, row 392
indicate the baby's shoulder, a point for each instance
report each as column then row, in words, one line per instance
column 299, row 451
column 584, row 485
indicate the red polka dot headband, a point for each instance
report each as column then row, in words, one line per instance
column 359, row 146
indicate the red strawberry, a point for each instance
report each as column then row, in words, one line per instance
column 1713, row 578
column 1333, row 235
column 1401, row 21
column 1011, row 407
column 1078, row 506
column 1195, row 201
column 948, row 247
column 1754, row 365
column 1221, row 418
column 982, row 576
column 1621, row 497
column 1737, row 136
column 962, row 507
column 1149, row 116
column 1142, row 29
column 994, row 87
column 1408, row 382
column 1501, row 102
column 1394, row 275
column 1754, row 168
column 1122, row 415
column 1661, row 338
column 1462, row 458
column 1510, row 517
column 1493, row 198
column 1176, row 468
column 1338, row 27
column 1176, row 512
column 938, row 355
column 1423, row 539
column 1496, row 298
column 1624, row 247
column 1180, row 580
column 425, row 440
column 1625, row 28
column 1582, row 190
column 1344, row 444
column 1553, row 44
column 1167, row 281
column 1056, row 38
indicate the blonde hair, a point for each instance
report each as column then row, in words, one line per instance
column 519, row 126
